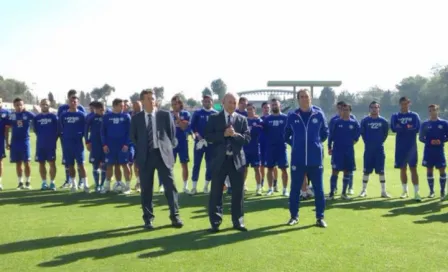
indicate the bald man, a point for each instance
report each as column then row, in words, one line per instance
column 228, row 132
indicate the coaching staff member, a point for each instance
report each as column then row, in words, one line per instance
column 228, row 132
column 154, row 135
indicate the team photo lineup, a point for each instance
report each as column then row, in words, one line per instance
column 128, row 143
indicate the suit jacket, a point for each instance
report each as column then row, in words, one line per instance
column 166, row 135
column 214, row 134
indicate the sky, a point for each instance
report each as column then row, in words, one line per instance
column 57, row 45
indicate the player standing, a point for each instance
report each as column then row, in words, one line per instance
column 406, row 125
column 266, row 110
column 72, row 126
column 62, row 109
column 274, row 129
column 181, row 119
column 4, row 132
column 136, row 108
column 46, row 129
column 115, row 139
column 345, row 134
column 374, row 132
column 252, row 150
column 20, row 122
column 434, row 134
column 201, row 147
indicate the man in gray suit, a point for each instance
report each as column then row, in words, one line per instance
column 154, row 135
column 228, row 132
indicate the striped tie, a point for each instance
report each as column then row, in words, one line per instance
column 150, row 134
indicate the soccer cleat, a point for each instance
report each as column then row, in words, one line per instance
column 127, row 188
column 330, row 197
column 442, row 197
column 193, row 191
column 276, row 189
column 270, row 192
column 52, row 187
column 321, row 223
column 20, row 186
column 351, row 192
column 259, row 192
column 363, row 193
column 98, row 189
column 27, row 186
column 417, row 197
column 292, row 222
column 345, row 197
column 385, row 195
column 74, row 188
column 206, row 191
column 86, row 189
column 65, row 185
column 432, row 195
column 186, row 191
column 44, row 186
column 161, row 189
column 117, row 187
column 404, row 195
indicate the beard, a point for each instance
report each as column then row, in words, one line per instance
column 275, row 111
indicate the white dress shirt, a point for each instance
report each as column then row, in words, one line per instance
column 154, row 126
column 232, row 117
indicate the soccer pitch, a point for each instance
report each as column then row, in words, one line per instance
column 62, row 231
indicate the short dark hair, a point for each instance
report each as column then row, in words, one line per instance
column 373, row 103
column 242, row 98
column 274, row 100
column 340, row 103
column 435, row 106
column 251, row 105
column 177, row 99
column 117, row 101
column 145, row 92
column 99, row 105
column 17, row 99
column 403, row 99
column 207, row 96
column 264, row 104
column 71, row 93
column 92, row 104
column 302, row 91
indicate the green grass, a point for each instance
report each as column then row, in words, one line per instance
column 59, row 231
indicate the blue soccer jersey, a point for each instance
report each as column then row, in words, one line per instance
column 243, row 113
column 345, row 133
column 20, row 123
column 46, row 129
column 4, row 123
column 93, row 137
column 181, row 149
column 374, row 132
column 71, row 127
column 406, row 126
column 252, row 150
column 434, row 134
column 115, row 135
column 274, row 129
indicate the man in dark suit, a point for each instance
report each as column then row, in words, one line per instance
column 228, row 132
column 154, row 135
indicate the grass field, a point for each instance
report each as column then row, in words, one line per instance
column 60, row 231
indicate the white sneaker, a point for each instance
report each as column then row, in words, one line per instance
column 74, row 188
column 193, row 191
column 309, row 192
column 404, row 195
column 206, row 191
column 259, row 192
column 127, row 188
column 285, row 193
column 105, row 188
column 1, row 187
column 117, row 187
column 270, row 192
column 161, row 189
column 137, row 188
column 385, row 195
column 186, row 191
column 276, row 189
column 363, row 193
column 345, row 197
column 351, row 192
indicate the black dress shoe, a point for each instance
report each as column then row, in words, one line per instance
column 240, row 227
column 213, row 229
column 177, row 223
column 321, row 223
column 148, row 226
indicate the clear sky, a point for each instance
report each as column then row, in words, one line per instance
column 184, row 45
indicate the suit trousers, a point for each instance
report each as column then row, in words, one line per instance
column 216, row 193
column 154, row 162
column 315, row 174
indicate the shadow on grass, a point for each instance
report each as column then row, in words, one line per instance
column 162, row 246
column 428, row 209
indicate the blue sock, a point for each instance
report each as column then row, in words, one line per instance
column 79, row 176
column 96, row 176
column 431, row 183
column 442, row 183
column 345, row 183
column 103, row 177
column 67, row 175
column 333, row 183
column 350, row 182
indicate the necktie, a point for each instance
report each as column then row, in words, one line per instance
column 229, row 145
column 150, row 134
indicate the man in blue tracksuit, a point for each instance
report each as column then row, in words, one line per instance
column 306, row 129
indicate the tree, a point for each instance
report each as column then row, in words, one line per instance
column 327, row 98
column 102, row 93
column 347, row 97
column 51, row 99
column 182, row 97
column 134, row 97
column 160, row 93
column 207, row 91
column 88, row 98
column 11, row 88
column 191, row 102
column 219, row 88
column 412, row 88
column 82, row 99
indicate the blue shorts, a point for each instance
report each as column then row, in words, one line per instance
column 374, row 160
column 20, row 152
column 45, row 155
column 263, row 154
column 434, row 158
column 131, row 154
column 96, row 154
column 343, row 160
column 182, row 151
column 2, row 149
column 73, row 151
column 116, row 155
column 406, row 156
column 276, row 156
column 252, row 159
